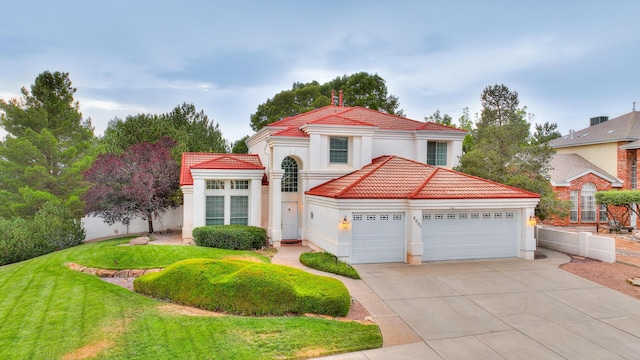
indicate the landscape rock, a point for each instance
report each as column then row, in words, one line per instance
column 136, row 272
column 122, row 273
column 90, row 271
column 106, row 273
column 152, row 271
column 636, row 235
column 142, row 240
column 634, row 281
column 76, row 267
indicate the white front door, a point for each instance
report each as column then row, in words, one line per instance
column 289, row 220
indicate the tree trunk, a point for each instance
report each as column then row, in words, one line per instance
column 150, row 220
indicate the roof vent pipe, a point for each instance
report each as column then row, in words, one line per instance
column 333, row 97
column 634, row 106
column 341, row 98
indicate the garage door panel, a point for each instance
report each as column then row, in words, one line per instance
column 377, row 238
column 450, row 235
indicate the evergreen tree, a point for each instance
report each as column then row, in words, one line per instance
column 503, row 150
column 47, row 148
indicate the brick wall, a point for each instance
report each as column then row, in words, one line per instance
column 564, row 193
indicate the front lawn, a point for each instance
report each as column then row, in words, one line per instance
column 48, row 311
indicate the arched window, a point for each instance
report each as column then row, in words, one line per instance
column 588, row 203
column 290, row 177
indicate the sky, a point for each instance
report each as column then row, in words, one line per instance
column 568, row 60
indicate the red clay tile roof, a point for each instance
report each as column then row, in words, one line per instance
column 393, row 177
column 216, row 161
column 355, row 116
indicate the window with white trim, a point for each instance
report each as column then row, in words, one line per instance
column 588, row 203
column 338, row 150
column 214, row 210
column 604, row 217
column 437, row 153
column 574, row 206
column 240, row 184
column 239, row 210
column 289, row 181
column 215, row 184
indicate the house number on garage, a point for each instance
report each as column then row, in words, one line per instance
column 417, row 222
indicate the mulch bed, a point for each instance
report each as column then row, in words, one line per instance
column 611, row 275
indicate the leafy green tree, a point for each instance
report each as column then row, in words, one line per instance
column 193, row 131
column 240, row 146
column 504, row 151
column 545, row 133
column 620, row 204
column 47, row 148
column 359, row 89
column 443, row 119
column 465, row 123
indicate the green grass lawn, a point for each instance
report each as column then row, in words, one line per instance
column 48, row 311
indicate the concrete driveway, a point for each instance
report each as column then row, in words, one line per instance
column 496, row 309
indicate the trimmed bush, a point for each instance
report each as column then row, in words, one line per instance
column 247, row 288
column 52, row 228
column 232, row 237
column 328, row 263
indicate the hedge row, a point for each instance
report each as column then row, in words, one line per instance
column 52, row 228
column 247, row 288
column 232, row 237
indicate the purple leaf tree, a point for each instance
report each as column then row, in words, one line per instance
column 142, row 182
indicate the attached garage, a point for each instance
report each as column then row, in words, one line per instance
column 477, row 234
column 404, row 211
column 377, row 238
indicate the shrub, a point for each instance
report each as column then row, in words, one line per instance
column 52, row 228
column 248, row 288
column 328, row 263
column 233, row 237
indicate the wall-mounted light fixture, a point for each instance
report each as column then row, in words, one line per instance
column 532, row 221
column 344, row 224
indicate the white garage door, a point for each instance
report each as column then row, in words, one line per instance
column 377, row 238
column 456, row 235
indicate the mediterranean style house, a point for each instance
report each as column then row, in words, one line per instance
column 603, row 156
column 363, row 185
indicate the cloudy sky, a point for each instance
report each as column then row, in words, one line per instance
column 568, row 60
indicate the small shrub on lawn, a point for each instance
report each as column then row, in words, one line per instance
column 232, row 237
column 248, row 288
column 328, row 263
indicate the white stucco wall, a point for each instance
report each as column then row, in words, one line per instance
column 96, row 228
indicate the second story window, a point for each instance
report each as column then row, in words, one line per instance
column 437, row 153
column 338, row 150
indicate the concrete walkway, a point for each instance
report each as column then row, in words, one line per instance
column 490, row 309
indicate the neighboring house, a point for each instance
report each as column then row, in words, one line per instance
column 603, row 156
column 363, row 185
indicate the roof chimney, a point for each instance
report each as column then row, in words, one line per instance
column 333, row 97
column 341, row 98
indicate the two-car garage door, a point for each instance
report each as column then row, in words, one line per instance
column 446, row 235
column 457, row 235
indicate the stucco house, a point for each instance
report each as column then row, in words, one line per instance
column 603, row 156
column 364, row 185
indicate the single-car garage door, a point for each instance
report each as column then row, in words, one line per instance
column 377, row 238
column 457, row 235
